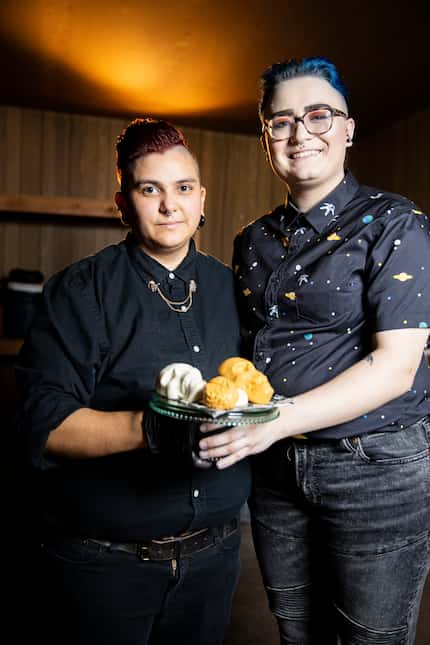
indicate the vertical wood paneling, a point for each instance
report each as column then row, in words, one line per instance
column 82, row 157
column 47, row 153
column 104, row 236
column 397, row 159
column 49, row 260
column 418, row 184
column 10, row 247
column 213, row 168
column 30, row 245
column 2, row 147
column 31, row 143
column 56, row 154
column 11, row 153
column 2, row 188
column 49, row 163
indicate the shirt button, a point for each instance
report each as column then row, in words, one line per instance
column 196, row 348
column 196, row 492
column 171, row 276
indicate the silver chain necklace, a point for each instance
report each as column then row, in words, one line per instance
column 178, row 306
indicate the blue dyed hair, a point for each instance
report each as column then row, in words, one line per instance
column 317, row 66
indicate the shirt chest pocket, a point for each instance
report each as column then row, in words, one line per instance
column 328, row 307
column 325, row 294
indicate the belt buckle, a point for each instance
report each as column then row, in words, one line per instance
column 164, row 549
column 142, row 551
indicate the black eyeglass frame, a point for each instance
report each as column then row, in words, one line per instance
column 267, row 127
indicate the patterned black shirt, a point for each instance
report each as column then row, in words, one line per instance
column 314, row 287
column 99, row 341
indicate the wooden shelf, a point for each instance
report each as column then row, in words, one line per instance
column 67, row 206
column 10, row 346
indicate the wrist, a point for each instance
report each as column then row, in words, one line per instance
column 137, row 425
column 284, row 424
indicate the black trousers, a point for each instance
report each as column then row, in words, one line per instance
column 99, row 596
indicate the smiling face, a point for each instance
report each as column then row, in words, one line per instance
column 311, row 164
column 163, row 203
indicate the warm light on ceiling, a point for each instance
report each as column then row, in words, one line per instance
column 120, row 50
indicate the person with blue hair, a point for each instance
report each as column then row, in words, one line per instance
column 334, row 303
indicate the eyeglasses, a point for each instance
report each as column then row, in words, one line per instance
column 316, row 121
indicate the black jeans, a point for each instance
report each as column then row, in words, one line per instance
column 104, row 597
column 341, row 530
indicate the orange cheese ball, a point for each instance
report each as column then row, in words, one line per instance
column 235, row 366
column 244, row 375
column 220, row 393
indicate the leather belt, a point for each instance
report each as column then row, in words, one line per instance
column 171, row 548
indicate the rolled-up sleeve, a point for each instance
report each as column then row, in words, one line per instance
column 58, row 364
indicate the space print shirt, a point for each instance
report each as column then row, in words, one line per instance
column 313, row 289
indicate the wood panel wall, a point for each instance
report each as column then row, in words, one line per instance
column 397, row 159
column 56, row 154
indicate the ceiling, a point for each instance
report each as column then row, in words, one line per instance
column 198, row 62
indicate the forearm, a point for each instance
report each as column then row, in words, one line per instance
column 384, row 375
column 368, row 384
column 91, row 433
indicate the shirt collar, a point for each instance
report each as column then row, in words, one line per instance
column 328, row 209
column 151, row 269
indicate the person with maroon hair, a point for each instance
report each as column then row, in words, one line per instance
column 139, row 538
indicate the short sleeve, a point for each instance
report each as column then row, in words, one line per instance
column 398, row 286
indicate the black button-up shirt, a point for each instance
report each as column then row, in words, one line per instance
column 99, row 341
column 314, row 287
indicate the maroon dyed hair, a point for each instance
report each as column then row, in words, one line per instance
column 141, row 137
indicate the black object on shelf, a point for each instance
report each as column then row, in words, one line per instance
column 21, row 298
